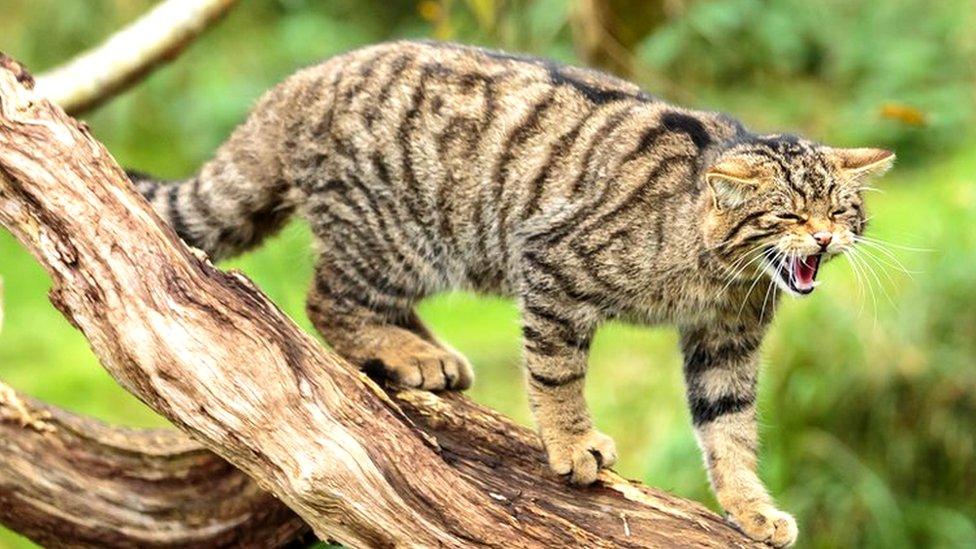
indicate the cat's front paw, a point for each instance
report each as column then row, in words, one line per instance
column 766, row 523
column 580, row 457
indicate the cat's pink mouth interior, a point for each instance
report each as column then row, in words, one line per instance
column 800, row 273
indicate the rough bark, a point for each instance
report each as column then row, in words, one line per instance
column 124, row 58
column 209, row 352
column 69, row 481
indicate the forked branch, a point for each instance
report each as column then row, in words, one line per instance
column 69, row 481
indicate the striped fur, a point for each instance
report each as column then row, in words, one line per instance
column 424, row 167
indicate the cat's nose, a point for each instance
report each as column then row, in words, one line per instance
column 823, row 238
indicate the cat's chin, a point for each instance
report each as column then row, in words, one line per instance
column 795, row 275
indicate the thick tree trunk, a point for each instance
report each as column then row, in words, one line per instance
column 69, row 481
column 209, row 352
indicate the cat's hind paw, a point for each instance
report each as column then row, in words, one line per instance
column 581, row 457
column 766, row 524
column 418, row 364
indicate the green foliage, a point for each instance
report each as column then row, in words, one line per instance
column 869, row 407
column 881, row 64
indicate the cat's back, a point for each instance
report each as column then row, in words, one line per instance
column 451, row 150
column 414, row 62
column 455, row 145
column 436, row 97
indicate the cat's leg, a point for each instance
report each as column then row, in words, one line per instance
column 557, row 333
column 721, row 367
column 380, row 333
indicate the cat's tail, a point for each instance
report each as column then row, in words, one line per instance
column 239, row 197
column 219, row 217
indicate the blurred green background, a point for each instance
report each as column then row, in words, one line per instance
column 868, row 394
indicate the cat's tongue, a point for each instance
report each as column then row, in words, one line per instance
column 805, row 272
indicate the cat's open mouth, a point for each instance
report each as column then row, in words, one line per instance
column 798, row 273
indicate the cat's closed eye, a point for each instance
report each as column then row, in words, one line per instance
column 788, row 216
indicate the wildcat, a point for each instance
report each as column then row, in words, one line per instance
column 424, row 166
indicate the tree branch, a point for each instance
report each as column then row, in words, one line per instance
column 66, row 480
column 129, row 55
column 209, row 352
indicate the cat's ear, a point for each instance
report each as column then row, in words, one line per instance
column 732, row 180
column 860, row 165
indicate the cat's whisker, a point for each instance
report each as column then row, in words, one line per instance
column 884, row 268
column 859, row 284
column 735, row 275
column 882, row 265
column 752, row 255
column 775, row 261
column 877, row 279
column 884, row 261
column 751, row 251
column 775, row 297
column 732, row 276
column 758, row 276
column 882, row 249
column 745, row 299
column 857, row 273
column 734, row 270
column 762, row 313
column 870, row 287
column 863, row 238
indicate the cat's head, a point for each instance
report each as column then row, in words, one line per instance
column 781, row 206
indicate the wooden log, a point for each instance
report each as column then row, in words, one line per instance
column 70, row 481
column 207, row 350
